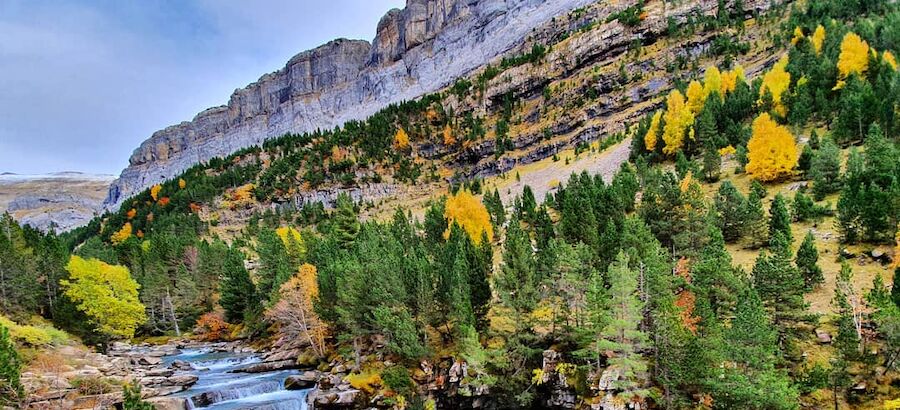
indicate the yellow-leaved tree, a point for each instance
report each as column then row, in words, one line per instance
column 818, row 38
column 652, row 135
column 730, row 79
column 293, row 241
column 106, row 294
column 889, row 58
column 469, row 213
column 712, row 81
column 696, row 96
column 854, row 57
column 798, row 35
column 771, row 151
column 182, row 183
column 154, row 191
column 401, row 139
column 294, row 311
column 776, row 82
column 678, row 122
column 122, row 234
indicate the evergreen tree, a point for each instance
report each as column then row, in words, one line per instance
column 805, row 161
column 895, row 287
column 730, row 204
column 11, row 391
column 757, row 188
column 807, row 262
column 825, row 170
column 239, row 297
column 755, row 227
column 779, row 219
column 849, row 322
column 804, row 208
column 275, row 266
column 346, row 224
column 435, row 223
column 780, row 285
column 712, row 163
column 517, row 284
column 753, row 342
column 622, row 336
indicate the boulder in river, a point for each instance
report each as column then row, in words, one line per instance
column 301, row 381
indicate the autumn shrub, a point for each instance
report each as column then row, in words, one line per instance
column 368, row 382
column 211, row 326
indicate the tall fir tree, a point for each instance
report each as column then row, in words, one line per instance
column 825, row 170
column 807, row 262
column 779, row 219
column 755, row 226
column 780, row 286
column 623, row 336
column 239, row 297
column 730, row 204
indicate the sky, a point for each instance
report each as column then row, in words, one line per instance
column 83, row 83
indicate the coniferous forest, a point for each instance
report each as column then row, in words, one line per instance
column 745, row 256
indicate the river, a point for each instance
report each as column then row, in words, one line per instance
column 220, row 388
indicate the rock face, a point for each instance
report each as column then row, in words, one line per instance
column 416, row 50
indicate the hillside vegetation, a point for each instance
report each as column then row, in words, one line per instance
column 743, row 256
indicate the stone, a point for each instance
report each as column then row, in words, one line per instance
column 167, row 403
column 823, row 336
column 147, row 360
column 302, row 381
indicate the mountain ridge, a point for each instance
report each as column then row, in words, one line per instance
column 417, row 50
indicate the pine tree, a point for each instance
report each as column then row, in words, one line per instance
column 755, row 227
column 11, row 391
column 753, row 341
column 730, row 204
column 346, row 224
column 275, row 266
column 239, row 297
column 622, row 336
column 779, row 219
column 517, row 283
column 712, row 163
column 825, row 170
column 807, row 262
column 848, row 340
column 803, row 208
column 780, row 285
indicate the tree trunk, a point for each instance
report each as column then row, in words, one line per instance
column 172, row 313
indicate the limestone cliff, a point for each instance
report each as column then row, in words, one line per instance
column 417, row 50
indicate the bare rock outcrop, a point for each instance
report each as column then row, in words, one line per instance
column 416, row 50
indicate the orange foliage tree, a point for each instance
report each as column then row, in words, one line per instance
column 679, row 120
column 469, row 213
column 294, row 310
column 449, row 139
column 131, row 213
column 772, row 151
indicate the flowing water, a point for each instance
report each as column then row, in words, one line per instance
column 219, row 388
